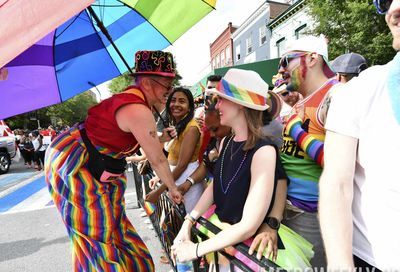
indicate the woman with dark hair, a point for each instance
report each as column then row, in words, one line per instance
column 39, row 148
column 184, row 149
column 27, row 149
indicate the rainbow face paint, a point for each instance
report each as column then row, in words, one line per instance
column 295, row 79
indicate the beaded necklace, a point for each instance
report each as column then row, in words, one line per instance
column 237, row 150
column 222, row 167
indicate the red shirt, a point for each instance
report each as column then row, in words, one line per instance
column 205, row 141
column 102, row 128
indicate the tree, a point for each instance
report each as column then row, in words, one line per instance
column 353, row 26
column 73, row 110
column 120, row 83
column 66, row 113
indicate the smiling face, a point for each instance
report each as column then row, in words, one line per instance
column 291, row 69
column 161, row 87
column 393, row 21
column 179, row 105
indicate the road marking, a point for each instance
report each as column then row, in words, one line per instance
column 10, row 178
column 14, row 198
column 19, row 185
column 32, row 195
column 34, row 202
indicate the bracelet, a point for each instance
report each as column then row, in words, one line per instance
column 190, row 180
column 197, row 250
column 190, row 218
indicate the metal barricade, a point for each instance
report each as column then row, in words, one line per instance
column 167, row 220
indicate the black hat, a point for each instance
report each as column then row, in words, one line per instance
column 157, row 63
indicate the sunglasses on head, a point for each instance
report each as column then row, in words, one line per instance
column 382, row 6
column 285, row 60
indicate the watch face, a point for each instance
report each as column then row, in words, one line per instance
column 273, row 223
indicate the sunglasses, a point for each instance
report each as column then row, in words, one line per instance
column 285, row 60
column 382, row 6
column 161, row 84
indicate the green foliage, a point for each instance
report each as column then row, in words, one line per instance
column 120, row 83
column 67, row 113
column 72, row 111
column 353, row 26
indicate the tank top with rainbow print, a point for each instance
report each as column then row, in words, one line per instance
column 302, row 171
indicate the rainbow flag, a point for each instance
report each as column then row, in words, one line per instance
column 149, row 208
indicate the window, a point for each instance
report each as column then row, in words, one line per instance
column 263, row 34
column 222, row 54
column 280, row 45
column 238, row 52
column 249, row 45
column 300, row 31
column 217, row 61
column 228, row 55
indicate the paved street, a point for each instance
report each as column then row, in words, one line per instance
column 32, row 237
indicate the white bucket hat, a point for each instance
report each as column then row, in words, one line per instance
column 314, row 45
column 246, row 88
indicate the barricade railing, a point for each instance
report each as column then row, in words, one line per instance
column 167, row 220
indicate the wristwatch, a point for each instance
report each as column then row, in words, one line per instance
column 273, row 223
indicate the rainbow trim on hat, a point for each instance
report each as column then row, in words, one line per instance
column 238, row 93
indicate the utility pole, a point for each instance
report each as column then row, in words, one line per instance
column 97, row 89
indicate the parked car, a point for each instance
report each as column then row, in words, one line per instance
column 7, row 152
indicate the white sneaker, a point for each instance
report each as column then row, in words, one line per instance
column 143, row 214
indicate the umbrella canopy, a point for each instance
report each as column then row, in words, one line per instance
column 92, row 47
column 25, row 22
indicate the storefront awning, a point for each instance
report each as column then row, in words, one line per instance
column 266, row 69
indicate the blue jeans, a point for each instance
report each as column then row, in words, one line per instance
column 306, row 224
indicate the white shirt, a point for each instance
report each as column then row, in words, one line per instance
column 36, row 145
column 362, row 109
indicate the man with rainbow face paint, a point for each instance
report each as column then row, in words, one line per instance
column 305, row 69
column 360, row 188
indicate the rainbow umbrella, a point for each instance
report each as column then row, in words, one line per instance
column 92, row 47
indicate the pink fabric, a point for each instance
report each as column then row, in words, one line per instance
column 23, row 22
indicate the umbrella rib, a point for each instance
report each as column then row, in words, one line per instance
column 76, row 17
column 55, row 70
column 107, row 6
column 147, row 21
column 97, row 33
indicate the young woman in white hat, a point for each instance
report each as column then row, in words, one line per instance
column 245, row 173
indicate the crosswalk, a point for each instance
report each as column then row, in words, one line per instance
column 31, row 194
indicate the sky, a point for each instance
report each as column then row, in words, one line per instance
column 192, row 50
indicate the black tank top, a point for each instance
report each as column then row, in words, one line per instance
column 230, row 194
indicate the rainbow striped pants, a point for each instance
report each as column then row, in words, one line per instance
column 93, row 212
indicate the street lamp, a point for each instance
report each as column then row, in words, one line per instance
column 95, row 86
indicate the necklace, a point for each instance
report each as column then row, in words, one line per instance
column 222, row 167
column 237, row 150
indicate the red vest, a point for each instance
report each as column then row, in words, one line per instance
column 102, row 128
